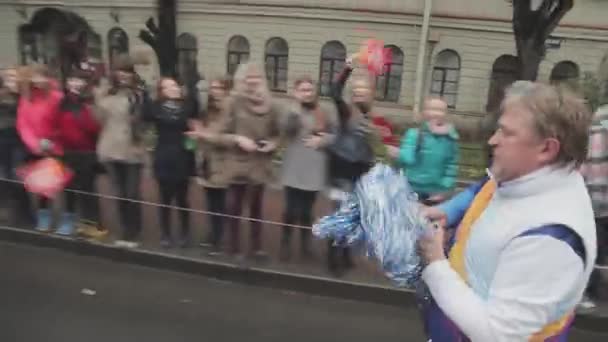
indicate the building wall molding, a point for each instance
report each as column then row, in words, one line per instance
column 438, row 20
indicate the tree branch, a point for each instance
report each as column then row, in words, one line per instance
column 151, row 26
column 147, row 38
column 555, row 17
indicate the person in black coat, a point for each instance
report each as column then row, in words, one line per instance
column 353, row 151
column 13, row 196
column 171, row 114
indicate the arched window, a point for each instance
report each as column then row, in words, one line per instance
column 388, row 85
column 565, row 71
column 55, row 37
column 95, row 55
column 118, row 44
column 238, row 52
column 94, row 50
column 39, row 47
column 30, row 46
column 505, row 71
column 446, row 75
column 333, row 55
column 277, row 55
column 187, row 51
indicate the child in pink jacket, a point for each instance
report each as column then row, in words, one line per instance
column 37, row 123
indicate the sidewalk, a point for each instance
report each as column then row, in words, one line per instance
column 364, row 282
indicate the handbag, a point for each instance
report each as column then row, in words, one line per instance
column 352, row 146
column 350, row 156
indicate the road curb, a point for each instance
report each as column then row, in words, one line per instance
column 223, row 271
column 255, row 276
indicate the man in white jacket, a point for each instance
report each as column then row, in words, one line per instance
column 525, row 242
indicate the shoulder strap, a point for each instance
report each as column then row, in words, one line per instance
column 563, row 233
column 419, row 139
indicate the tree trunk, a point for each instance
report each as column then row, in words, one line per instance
column 162, row 38
column 167, row 11
column 530, row 57
column 532, row 25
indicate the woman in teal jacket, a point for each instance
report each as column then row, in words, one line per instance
column 429, row 154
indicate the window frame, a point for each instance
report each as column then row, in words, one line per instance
column 273, row 77
column 444, row 81
column 561, row 78
column 501, row 71
column 388, row 76
column 115, row 45
column 333, row 61
column 241, row 56
column 186, row 43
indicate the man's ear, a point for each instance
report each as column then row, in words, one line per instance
column 550, row 150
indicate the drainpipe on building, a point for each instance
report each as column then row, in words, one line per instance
column 420, row 66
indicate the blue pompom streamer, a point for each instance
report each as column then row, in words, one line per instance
column 382, row 214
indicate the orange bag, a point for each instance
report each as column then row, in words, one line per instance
column 46, row 177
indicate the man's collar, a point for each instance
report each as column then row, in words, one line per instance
column 535, row 182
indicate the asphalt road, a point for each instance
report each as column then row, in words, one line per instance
column 41, row 299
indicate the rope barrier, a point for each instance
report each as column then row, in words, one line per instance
column 160, row 205
column 198, row 211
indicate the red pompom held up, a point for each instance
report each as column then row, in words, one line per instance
column 46, row 177
column 375, row 56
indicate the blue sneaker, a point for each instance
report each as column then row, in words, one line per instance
column 43, row 223
column 67, row 226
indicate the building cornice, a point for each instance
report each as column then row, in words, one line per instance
column 438, row 20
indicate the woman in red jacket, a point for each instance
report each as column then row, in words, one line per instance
column 78, row 132
column 37, row 123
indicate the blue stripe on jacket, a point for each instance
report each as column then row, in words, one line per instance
column 456, row 207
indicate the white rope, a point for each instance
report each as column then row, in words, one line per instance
column 160, row 205
column 198, row 211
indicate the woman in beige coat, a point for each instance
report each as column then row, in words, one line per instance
column 251, row 134
column 120, row 146
column 211, row 157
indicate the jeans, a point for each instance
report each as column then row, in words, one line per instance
column 174, row 190
column 84, row 166
column 236, row 199
column 127, row 178
column 216, row 203
column 298, row 210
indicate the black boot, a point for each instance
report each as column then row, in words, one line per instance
column 305, row 247
column 347, row 260
column 285, row 250
column 332, row 259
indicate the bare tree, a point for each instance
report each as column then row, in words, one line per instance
column 533, row 22
column 162, row 38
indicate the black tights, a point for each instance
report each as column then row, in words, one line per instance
column 170, row 190
column 13, row 195
column 236, row 199
column 298, row 211
column 216, row 203
column 84, row 167
column 126, row 178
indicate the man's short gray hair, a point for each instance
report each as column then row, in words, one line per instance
column 557, row 113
